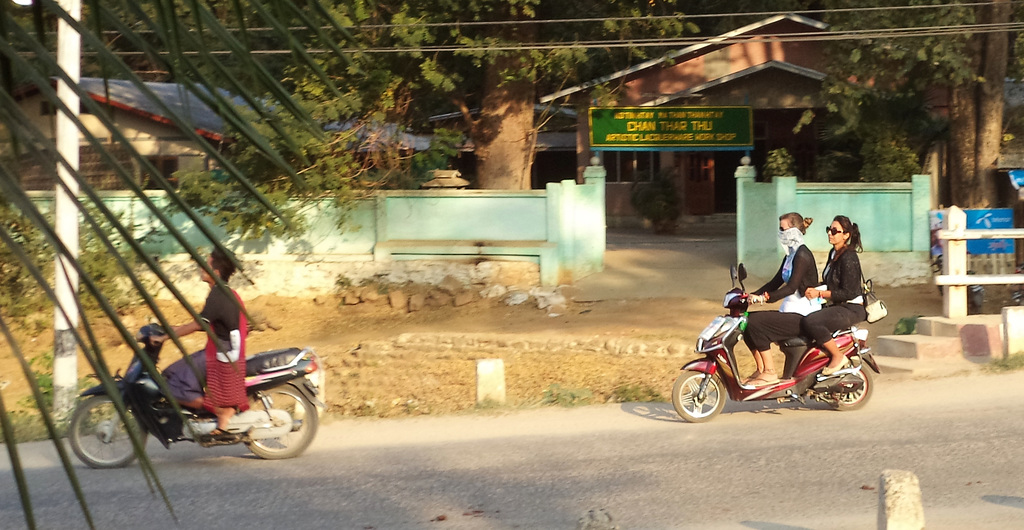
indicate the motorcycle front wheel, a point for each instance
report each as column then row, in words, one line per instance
column 305, row 421
column 99, row 437
column 687, row 403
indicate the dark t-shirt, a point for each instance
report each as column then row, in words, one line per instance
column 221, row 313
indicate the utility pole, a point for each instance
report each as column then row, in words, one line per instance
column 65, row 347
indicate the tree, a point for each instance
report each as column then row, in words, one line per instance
column 970, row 66
column 496, row 56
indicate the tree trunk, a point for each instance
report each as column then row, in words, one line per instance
column 990, row 102
column 504, row 134
column 965, row 188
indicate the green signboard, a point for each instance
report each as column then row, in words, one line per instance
column 671, row 128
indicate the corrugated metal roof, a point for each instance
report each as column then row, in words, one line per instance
column 125, row 95
column 683, row 51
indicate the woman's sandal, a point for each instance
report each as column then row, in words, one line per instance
column 830, row 371
column 753, row 377
column 765, row 379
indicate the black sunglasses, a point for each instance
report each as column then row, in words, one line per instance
column 833, row 231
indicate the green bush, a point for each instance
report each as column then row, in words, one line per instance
column 658, row 202
column 566, row 397
column 636, row 393
column 887, row 158
column 779, row 164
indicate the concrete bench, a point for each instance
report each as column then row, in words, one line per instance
column 546, row 252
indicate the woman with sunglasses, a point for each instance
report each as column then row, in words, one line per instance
column 842, row 289
column 797, row 272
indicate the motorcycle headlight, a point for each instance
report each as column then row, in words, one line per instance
column 713, row 328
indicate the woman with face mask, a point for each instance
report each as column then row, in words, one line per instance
column 797, row 272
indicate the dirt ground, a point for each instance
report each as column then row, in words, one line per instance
column 409, row 384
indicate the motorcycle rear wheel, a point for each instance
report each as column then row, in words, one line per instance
column 856, row 400
column 684, row 397
column 99, row 437
column 304, row 417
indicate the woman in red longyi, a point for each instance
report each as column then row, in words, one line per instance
column 225, row 350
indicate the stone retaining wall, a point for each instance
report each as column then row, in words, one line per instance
column 490, row 343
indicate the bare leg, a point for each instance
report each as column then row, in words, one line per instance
column 224, row 415
column 837, row 359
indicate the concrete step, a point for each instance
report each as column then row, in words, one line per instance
column 980, row 335
column 917, row 347
column 927, row 367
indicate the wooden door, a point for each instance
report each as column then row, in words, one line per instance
column 699, row 189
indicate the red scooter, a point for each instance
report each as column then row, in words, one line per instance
column 699, row 394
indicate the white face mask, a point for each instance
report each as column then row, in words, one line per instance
column 791, row 238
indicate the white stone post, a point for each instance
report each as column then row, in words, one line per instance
column 954, row 262
column 899, row 503
column 490, row 381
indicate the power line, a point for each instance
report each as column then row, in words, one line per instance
column 814, row 36
column 648, row 18
column 681, row 17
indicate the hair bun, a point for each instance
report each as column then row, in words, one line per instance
column 808, row 221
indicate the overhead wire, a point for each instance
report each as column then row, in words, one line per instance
column 813, row 36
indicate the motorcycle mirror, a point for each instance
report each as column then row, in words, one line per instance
column 741, row 273
column 733, row 274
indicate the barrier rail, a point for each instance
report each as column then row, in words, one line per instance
column 954, row 277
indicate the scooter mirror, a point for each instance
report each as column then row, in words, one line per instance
column 740, row 272
column 733, row 274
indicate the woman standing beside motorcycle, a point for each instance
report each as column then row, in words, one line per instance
column 843, row 290
column 797, row 272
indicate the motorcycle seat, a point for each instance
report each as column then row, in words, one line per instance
column 793, row 342
column 269, row 361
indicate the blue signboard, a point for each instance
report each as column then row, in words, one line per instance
column 983, row 219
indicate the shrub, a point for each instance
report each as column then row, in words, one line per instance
column 658, row 202
column 779, row 164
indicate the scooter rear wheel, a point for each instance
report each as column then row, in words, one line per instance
column 99, row 437
column 305, row 420
column 686, row 402
column 859, row 398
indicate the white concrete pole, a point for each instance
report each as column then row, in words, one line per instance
column 65, row 356
column 954, row 261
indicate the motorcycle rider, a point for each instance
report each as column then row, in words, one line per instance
column 222, row 360
column 797, row 272
column 843, row 290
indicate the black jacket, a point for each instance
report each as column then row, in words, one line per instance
column 843, row 276
column 805, row 274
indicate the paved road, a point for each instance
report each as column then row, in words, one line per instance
column 762, row 466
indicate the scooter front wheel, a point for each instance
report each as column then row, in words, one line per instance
column 99, row 437
column 689, row 405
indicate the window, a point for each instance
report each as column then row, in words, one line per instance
column 632, row 166
column 166, row 166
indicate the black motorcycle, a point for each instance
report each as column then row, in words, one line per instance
column 281, row 422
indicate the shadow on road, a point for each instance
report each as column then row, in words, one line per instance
column 659, row 411
column 1003, row 500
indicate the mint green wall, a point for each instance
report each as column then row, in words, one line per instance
column 892, row 217
column 463, row 215
column 568, row 216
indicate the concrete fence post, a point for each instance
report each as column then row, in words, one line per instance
column 1013, row 331
column 954, row 261
column 899, row 503
column 490, row 381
